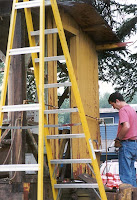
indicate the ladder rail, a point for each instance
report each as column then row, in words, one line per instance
column 77, row 97
column 39, row 77
column 32, row 42
column 41, row 102
column 7, row 60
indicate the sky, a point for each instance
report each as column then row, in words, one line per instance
column 105, row 87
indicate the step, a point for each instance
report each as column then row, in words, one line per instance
column 53, row 58
column 47, row 31
column 58, row 111
column 70, row 161
column 29, row 107
column 61, row 125
column 18, row 167
column 31, row 4
column 66, row 136
column 25, row 50
column 55, row 85
column 76, row 185
column 19, row 127
column 99, row 150
column 22, row 107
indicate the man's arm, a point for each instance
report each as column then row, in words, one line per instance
column 125, row 128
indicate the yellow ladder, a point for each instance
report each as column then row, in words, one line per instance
column 38, row 64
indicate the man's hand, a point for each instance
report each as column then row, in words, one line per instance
column 117, row 143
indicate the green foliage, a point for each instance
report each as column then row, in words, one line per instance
column 62, row 72
column 120, row 67
column 134, row 101
column 64, row 117
column 103, row 101
column 31, row 88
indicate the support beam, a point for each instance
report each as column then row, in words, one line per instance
column 94, row 27
column 2, row 56
column 16, row 95
column 111, row 46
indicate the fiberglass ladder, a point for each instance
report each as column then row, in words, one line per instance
column 38, row 64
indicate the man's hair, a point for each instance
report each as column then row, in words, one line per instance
column 114, row 96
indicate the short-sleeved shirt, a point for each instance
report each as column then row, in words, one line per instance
column 128, row 114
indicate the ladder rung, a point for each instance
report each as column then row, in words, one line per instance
column 70, row 161
column 22, row 107
column 27, row 107
column 76, row 185
column 19, row 127
column 47, row 31
column 98, row 150
column 61, row 125
column 54, row 85
column 24, row 50
column 19, row 167
column 66, row 136
column 31, row 4
column 70, row 110
column 53, row 58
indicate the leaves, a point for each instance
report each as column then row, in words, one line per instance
column 120, row 67
column 31, row 88
column 103, row 101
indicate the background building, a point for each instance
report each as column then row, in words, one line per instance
column 111, row 119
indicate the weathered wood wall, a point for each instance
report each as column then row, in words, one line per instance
column 85, row 63
column 52, row 99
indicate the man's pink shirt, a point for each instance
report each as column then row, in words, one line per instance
column 128, row 114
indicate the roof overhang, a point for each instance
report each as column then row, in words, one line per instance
column 90, row 21
column 82, row 12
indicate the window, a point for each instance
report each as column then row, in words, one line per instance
column 108, row 120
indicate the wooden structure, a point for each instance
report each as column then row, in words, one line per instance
column 85, row 36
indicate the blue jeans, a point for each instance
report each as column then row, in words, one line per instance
column 127, row 157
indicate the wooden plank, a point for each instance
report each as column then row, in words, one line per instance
column 32, row 144
column 86, row 71
column 17, row 93
column 5, row 133
column 134, row 193
column 69, row 24
column 2, row 56
column 111, row 46
column 112, row 195
column 125, row 192
column 87, row 178
column 52, row 78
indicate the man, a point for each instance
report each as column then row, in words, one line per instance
column 126, row 137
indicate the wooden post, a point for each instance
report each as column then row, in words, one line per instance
column 16, row 95
column 125, row 192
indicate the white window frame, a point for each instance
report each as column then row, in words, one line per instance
column 103, row 118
